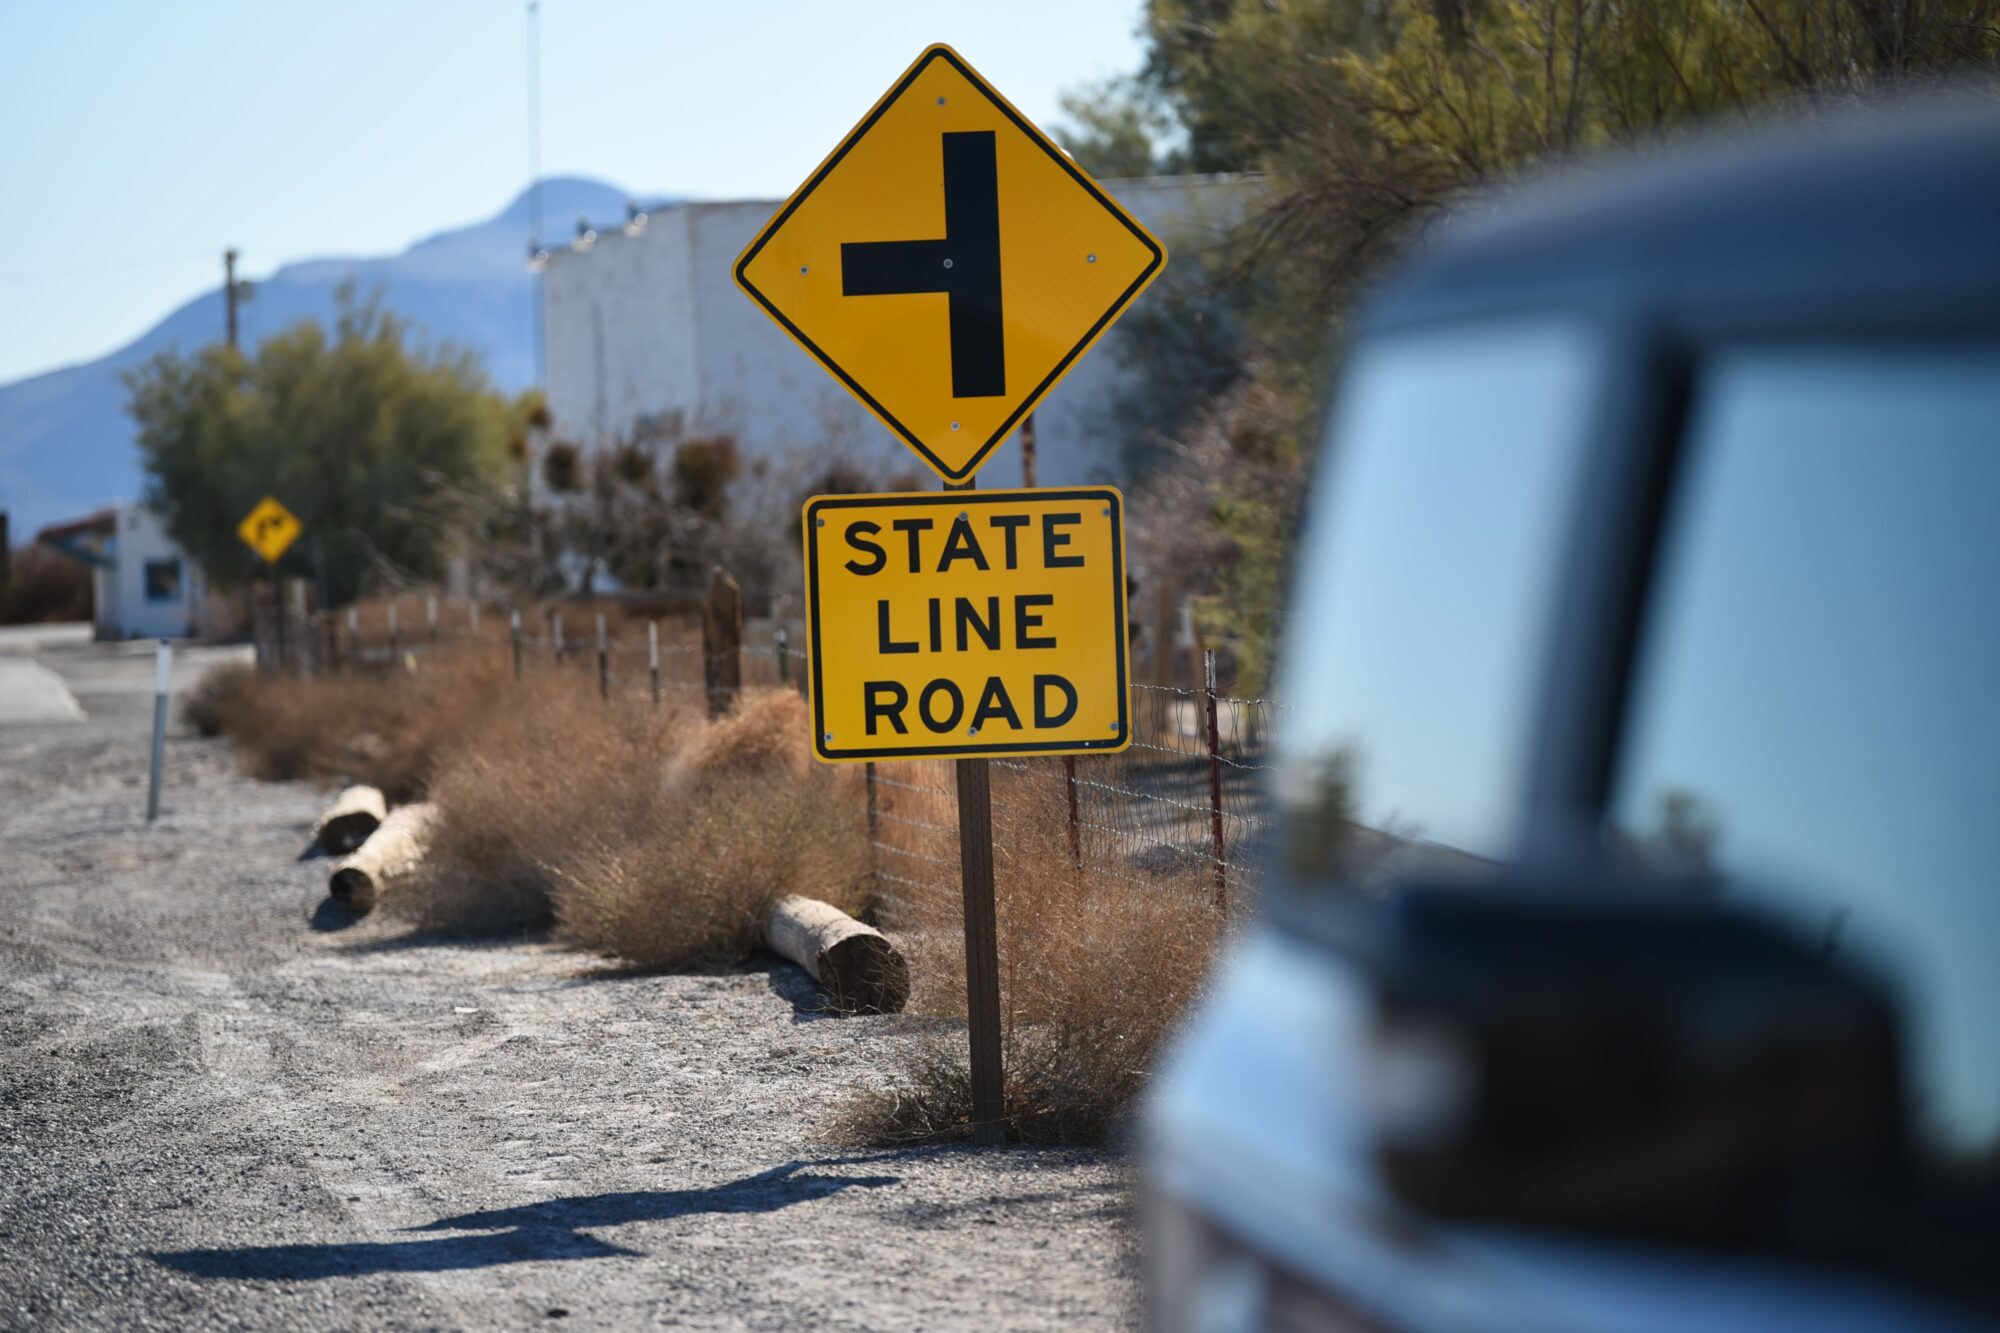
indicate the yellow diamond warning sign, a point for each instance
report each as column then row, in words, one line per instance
column 967, row 623
column 948, row 263
column 269, row 529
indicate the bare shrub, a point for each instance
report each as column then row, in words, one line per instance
column 1096, row 966
column 739, row 816
column 385, row 731
column 44, row 587
column 524, row 797
column 217, row 697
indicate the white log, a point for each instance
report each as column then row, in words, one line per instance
column 350, row 819
column 394, row 849
column 856, row 962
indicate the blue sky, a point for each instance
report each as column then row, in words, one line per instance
column 143, row 138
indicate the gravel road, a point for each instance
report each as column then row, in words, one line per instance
column 217, row 1110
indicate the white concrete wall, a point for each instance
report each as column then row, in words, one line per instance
column 652, row 325
column 126, row 612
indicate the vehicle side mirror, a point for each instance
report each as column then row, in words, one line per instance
column 1666, row 1068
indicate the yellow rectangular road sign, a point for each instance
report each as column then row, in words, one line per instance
column 948, row 263
column 269, row 529
column 967, row 623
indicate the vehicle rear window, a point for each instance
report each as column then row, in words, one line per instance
column 1815, row 722
column 1422, row 597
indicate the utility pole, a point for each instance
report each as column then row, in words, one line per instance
column 535, row 336
column 229, row 290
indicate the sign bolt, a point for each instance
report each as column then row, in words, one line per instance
column 826, row 736
column 954, row 425
column 1090, row 259
column 972, row 730
column 803, row 269
column 947, row 263
column 940, row 101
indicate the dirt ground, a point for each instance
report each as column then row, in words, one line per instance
column 218, row 1109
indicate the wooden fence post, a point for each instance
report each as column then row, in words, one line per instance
column 653, row 657
column 1163, row 634
column 603, row 661
column 722, row 642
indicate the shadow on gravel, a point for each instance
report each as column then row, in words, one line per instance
column 809, row 1000
column 331, row 914
column 440, row 939
column 539, row 1231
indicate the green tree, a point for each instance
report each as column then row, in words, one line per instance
column 388, row 452
column 1370, row 118
column 1115, row 128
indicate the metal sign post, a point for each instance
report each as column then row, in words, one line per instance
column 163, row 672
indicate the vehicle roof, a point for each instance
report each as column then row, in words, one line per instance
column 1888, row 214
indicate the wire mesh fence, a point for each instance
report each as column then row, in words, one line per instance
column 1185, row 802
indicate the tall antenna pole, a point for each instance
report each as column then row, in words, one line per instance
column 535, row 190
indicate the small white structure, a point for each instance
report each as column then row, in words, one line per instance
column 647, row 332
column 142, row 584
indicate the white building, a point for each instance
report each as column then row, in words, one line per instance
column 143, row 585
column 646, row 328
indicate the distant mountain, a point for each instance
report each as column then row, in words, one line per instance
column 66, row 445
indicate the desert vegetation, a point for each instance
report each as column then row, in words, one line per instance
column 658, row 838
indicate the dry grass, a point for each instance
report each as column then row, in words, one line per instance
column 1095, row 969
column 521, row 800
column 388, row 731
column 658, row 839
column 217, row 697
column 741, row 815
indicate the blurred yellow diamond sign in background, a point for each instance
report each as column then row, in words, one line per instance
column 948, row 263
column 270, row 529
column 967, row 624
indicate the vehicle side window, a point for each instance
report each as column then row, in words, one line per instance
column 1423, row 594
column 1815, row 721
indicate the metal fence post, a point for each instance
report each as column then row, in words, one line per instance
column 514, row 629
column 395, row 640
column 431, row 616
column 603, row 661
column 353, row 635
column 558, row 638
column 653, row 658
column 784, row 658
column 163, row 670
column 1075, row 823
column 472, row 616
column 1215, row 782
